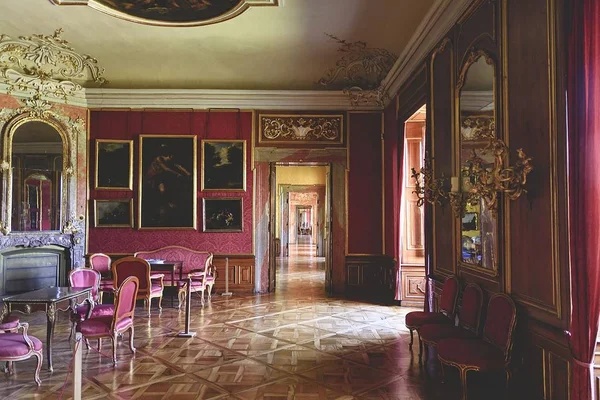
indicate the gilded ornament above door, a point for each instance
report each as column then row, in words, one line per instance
column 171, row 12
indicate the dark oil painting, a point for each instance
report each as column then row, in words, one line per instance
column 113, row 213
column 167, row 181
column 182, row 11
column 222, row 215
column 224, row 165
column 114, row 159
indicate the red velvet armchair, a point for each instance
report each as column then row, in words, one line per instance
column 101, row 263
column 151, row 285
column 120, row 321
column 469, row 320
column 87, row 277
column 447, row 305
column 21, row 346
column 492, row 351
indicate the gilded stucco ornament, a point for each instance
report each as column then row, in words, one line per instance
column 4, row 166
column 46, row 66
column 301, row 128
column 359, row 72
column 428, row 188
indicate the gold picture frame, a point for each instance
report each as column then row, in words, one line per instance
column 114, row 164
column 222, row 214
column 223, row 167
column 167, row 182
column 113, row 213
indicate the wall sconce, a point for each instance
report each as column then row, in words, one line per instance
column 479, row 180
column 431, row 189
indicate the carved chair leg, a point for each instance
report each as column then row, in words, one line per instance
column 114, row 349
column 36, row 374
column 131, row 347
column 411, row 337
column 442, row 372
column 420, row 347
column 100, row 293
column 99, row 344
column 209, row 295
column 10, row 367
column 181, row 296
column 160, row 304
column 148, row 302
column 202, row 298
column 87, row 343
column 463, row 382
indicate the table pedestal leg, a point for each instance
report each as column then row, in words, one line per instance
column 50, row 334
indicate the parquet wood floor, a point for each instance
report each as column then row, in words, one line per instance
column 296, row 343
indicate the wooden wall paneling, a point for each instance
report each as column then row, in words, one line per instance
column 477, row 27
column 413, row 286
column 241, row 273
column 371, row 278
column 535, row 121
column 440, row 143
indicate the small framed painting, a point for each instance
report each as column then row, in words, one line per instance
column 224, row 165
column 222, row 214
column 114, row 164
column 113, row 213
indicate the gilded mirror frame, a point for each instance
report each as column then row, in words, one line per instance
column 474, row 55
column 69, row 130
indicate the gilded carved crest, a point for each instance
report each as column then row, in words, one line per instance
column 46, row 66
column 301, row 129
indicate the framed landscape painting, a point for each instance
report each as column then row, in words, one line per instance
column 222, row 215
column 224, row 165
column 114, row 164
column 116, row 213
column 167, row 182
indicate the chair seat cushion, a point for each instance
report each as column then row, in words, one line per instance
column 101, row 326
column 156, row 289
column 14, row 345
column 210, row 279
column 471, row 352
column 10, row 322
column 196, row 285
column 416, row 319
column 99, row 310
column 433, row 333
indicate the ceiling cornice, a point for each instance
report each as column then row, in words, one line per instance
column 213, row 98
column 438, row 21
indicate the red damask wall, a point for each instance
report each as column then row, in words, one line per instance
column 129, row 125
column 365, row 234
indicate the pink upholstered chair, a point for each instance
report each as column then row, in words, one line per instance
column 101, row 263
column 121, row 320
column 150, row 285
column 87, row 277
column 492, row 351
column 447, row 305
column 202, row 279
column 469, row 320
column 21, row 346
column 10, row 324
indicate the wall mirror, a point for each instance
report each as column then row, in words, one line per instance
column 476, row 125
column 37, row 164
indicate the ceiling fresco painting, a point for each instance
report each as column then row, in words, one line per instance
column 171, row 12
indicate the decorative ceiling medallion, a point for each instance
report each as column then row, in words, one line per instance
column 171, row 12
column 301, row 129
column 42, row 65
column 359, row 72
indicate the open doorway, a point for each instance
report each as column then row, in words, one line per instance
column 412, row 246
column 301, row 233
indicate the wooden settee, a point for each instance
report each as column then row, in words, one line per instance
column 195, row 265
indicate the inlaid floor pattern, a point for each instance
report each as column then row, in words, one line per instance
column 296, row 343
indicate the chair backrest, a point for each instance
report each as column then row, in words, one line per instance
column 132, row 266
column 85, row 277
column 469, row 315
column 100, row 262
column 500, row 322
column 449, row 297
column 125, row 297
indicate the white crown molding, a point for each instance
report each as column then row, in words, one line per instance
column 438, row 21
column 213, row 98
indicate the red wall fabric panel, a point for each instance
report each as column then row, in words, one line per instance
column 364, row 184
column 131, row 124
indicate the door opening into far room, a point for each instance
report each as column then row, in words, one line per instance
column 412, row 237
column 302, row 235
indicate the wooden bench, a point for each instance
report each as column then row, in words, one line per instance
column 195, row 265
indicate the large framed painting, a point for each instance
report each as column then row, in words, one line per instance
column 167, row 182
column 224, row 165
column 117, row 213
column 222, row 214
column 114, row 164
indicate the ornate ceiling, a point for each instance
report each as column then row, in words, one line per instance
column 292, row 45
